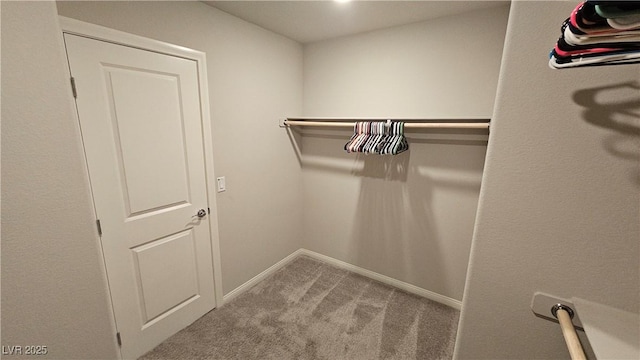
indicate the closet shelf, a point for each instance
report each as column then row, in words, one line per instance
column 612, row 333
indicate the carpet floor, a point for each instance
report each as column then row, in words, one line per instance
column 312, row 310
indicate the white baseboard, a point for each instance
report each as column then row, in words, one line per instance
column 456, row 304
column 256, row 279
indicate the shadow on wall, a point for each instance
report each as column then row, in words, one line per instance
column 615, row 107
column 394, row 217
column 415, row 211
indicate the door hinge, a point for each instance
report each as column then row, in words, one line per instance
column 99, row 227
column 119, row 339
column 73, row 87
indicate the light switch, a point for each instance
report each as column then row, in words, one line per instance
column 222, row 186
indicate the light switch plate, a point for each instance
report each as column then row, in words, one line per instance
column 222, row 186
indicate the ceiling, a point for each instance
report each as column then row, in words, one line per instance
column 307, row 21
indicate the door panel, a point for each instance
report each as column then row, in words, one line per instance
column 167, row 263
column 140, row 116
column 152, row 154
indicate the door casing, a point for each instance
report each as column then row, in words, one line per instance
column 76, row 27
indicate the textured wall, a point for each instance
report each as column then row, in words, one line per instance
column 442, row 67
column 411, row 216
column 560, row 196
column 54, row 290
column 255, row 77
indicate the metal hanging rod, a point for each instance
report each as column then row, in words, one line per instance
column 462, row 123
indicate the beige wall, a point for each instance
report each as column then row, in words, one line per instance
column 442, row 67
column 54, row 289
column 560, row 196
column 411, row 216
column 255, row 77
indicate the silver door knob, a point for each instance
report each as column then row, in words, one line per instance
column 201, row 213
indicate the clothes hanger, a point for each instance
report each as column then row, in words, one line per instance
column 353, row 137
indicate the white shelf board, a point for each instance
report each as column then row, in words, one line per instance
column 612, row 333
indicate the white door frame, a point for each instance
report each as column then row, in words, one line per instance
column 80, row 28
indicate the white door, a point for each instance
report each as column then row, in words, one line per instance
column 141, row 123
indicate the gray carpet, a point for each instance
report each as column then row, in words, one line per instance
column 312, row 310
